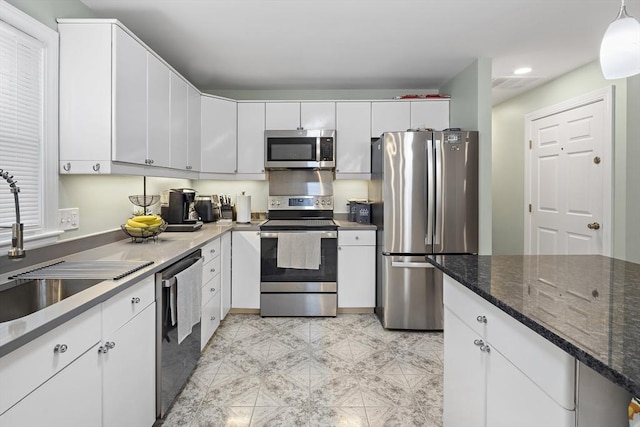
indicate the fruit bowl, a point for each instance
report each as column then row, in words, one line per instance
column 144, row 227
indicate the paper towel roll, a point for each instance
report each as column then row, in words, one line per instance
column 243, row 208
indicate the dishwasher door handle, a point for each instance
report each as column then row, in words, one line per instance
column 408, row 264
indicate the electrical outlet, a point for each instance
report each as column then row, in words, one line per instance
column 68, row 219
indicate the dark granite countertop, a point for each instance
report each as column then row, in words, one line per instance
column 587, row 305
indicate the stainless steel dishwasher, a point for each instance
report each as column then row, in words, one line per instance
column 174, row 361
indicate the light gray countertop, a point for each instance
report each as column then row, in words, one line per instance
column 164, row 251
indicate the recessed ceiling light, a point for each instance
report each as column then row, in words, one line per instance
column 523, row 70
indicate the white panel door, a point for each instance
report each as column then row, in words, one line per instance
column 282, row 115
column 158, row 112
column 251, row 122
column 318, row 115
column 567, row 181
column 194, row 153
column 219, row 135
column 245, row 269
column 353, row 147
column 179, row 122
column 390, row 116
column 430, row 114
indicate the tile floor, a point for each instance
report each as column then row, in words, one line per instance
column 343, row 371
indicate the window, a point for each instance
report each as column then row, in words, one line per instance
column 28, row 125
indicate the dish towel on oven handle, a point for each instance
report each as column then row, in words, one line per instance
column 188, row 299
column 299, row 250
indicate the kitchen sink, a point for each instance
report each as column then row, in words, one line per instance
column 22, row 297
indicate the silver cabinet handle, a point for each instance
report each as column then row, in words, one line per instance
column 357, row 238
column 213, row 251
column 67, row 167
column 213, row 270
column 104, row 349
column 485, row 348
column 60, row 348
column 213, row 318
column 213, row 289
column 135, row 300
column 96, row 167
column 478, row 342
column 481, row 319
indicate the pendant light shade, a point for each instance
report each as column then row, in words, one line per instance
column 620, row 48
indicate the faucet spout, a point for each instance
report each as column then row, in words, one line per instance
column 17, row 230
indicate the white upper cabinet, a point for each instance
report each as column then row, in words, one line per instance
column 306, row 115
column 353, row 139
column 318, row 115
column 158, row 112
column 389, row 116
column 219, row 137
column 195, row 133
column 130, row 98
column 122, row 108
column 251, row 126
column 179, row 122
column 432, row 114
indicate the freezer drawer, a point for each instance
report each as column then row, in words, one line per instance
column 409, row 294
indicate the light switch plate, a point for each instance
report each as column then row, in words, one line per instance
column 69, row 219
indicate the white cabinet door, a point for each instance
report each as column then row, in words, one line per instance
column 430, row 114
column 318, row 115
column 464, row 375
column 130, row 98
column 514, row 400
column 353, row 135
column 194, row 137
column 129, row 373
column 225, row 304
column 179, row 122
column 158, row 112
column 245, row 270
column 251, row 122
column 210, row 319
column 282, row 115
column 219, row 136
column 356, row 276
column 389, row 116
column 72, row 398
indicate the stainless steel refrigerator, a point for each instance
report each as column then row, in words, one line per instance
column 424, row 189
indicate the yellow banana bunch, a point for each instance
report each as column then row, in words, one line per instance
column 143, row 224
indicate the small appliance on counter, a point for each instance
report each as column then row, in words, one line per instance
column 178, row 210
column 360, row 211
column 227, row 212
column 205, row 209
column 243, row 208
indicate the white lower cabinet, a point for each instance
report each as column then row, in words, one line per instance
column 210, row 319
column 356, row 269
column 225, row 260
column 70, row 398
column 97, row 369
column 245, row 270
column 483, row 386
column 128, row 373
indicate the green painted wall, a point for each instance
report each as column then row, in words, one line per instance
column 47, row 11
column 508, row 157
column 471, row 109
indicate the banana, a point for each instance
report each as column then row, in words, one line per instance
column 136, row 224
column 147, row 219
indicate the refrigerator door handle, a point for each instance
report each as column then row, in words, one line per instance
column 429, row 187
column 438, row 190
column 407, row 264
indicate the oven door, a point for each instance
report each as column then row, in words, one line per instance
column 298, row 292
column 270, row 272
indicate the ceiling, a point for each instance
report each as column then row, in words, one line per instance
column 365, row 44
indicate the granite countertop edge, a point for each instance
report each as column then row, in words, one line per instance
column 580, row 354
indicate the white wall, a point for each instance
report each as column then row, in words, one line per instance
column 508, row 157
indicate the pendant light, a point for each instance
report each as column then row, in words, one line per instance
column 620, row 48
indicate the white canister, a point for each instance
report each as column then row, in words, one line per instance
column 243, row 208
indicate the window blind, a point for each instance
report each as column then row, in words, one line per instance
column 21, row 124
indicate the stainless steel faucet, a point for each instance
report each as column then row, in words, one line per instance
column 17, row 229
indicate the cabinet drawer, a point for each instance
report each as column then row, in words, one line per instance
column 547, row 365
column 210, row 251
column 121, row 308
column 210, row 270
column 210, row 319
column 24, row 369
column 357, row 238
column 466, row 305
column 210, row 288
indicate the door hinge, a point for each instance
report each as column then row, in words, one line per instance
column 530, row 209
column 530, row 144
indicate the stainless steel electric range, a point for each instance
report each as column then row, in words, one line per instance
column 299, row 256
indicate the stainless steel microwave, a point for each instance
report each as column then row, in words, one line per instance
column 300, row 149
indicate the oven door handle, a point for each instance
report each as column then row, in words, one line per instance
column 274, row 234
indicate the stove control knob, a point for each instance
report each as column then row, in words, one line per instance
column 317, row 202
column 278, row 203
column 323, row 202
column 329, row 202
column 273, row 203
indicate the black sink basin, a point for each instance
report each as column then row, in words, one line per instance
column 22, row 297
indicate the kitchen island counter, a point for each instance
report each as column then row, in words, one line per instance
column 587, row 305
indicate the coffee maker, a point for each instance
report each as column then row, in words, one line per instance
column 180, row 213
